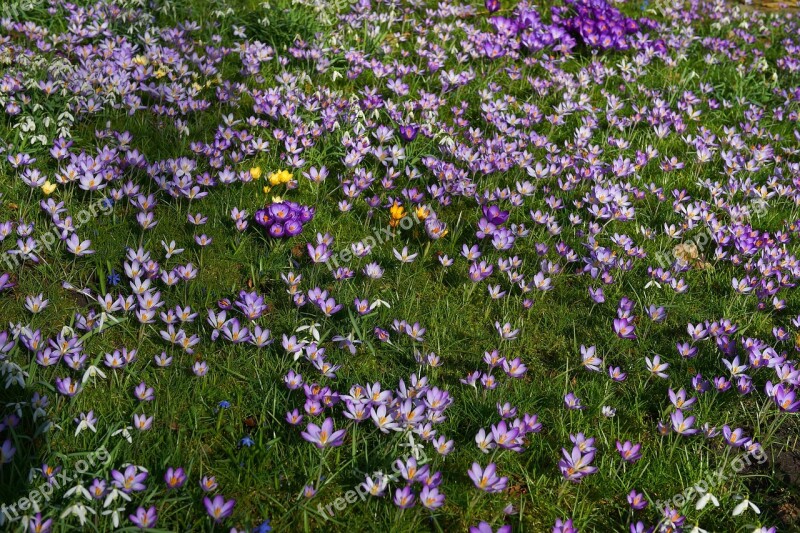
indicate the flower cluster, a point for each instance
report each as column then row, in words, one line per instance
column 284, row 218
column 597, row 23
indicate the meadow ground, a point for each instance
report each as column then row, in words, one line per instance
column 535, row 265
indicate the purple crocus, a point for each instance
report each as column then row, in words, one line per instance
column 174, row 478
column 324, row 436
column 408, row 132
column 404, row 498
column 487, row 479
column 144, row 518
column 628, row 451
column 576, row 465
column 636, row 500
column 218, row 508
column 682, row 425
column 129, row 480
column 564, row 526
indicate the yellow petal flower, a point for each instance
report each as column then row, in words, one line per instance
column 48, row 188
column 285, row 176
column 397, row 212
column 255, row 172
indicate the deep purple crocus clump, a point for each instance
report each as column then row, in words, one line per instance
column 597, row 23
column 284, row 219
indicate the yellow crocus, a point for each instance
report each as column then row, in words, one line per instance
column 282, row 176
column 48, row 188
column 396, row 213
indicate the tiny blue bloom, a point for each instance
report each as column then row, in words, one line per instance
column 263, row 528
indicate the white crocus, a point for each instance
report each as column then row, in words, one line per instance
column 125, row 432
column 115, row 514
column 416, row 448
column 79, row 510
column 113, row 494
column 78, row 489
column 312, row 328
column 379, row 302
column 91, row 372
column 85, row 423
column 707, row 497
column 742, row 507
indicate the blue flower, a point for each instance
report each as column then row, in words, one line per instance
column 113, row 278
column 246, row 441
column 224, row 404
column 263, row 528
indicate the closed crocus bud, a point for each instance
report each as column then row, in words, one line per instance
column 409, row 132
column 492, row 6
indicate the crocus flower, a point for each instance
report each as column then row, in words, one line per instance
column 487, row 479
column 323, row 436
column 129, row 480
column 174, row 478
column 564, row 526
column 629, row 452
column 219, row 508
column 38, row 525
column 7, row 451
column 77, row 247
column 431, row 498
column 484, row 527
column 681, row 425
column 144, row 518
column 636, row 500
column 576, row 465
column 404, row 498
